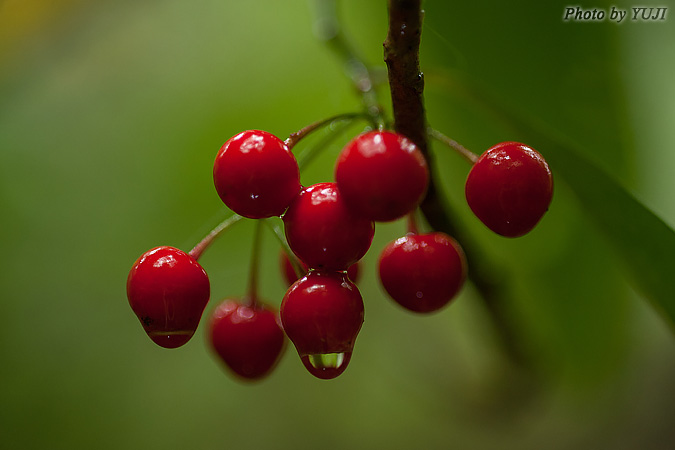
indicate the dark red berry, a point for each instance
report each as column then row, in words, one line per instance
column 322, row 314
column 168, row 290
column 248, row 338
column 382, row 175
column 256, row 175
column 423, row 272
column 323, row 232
column 291, row 277
column 509, row 188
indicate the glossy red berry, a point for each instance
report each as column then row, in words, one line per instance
column 248, row 338
column 423, row 272
column 168, row 290
column 291, row 277
column 323, row 232
column 256, row 175
column 322, row 314
column 382, row 175
column 509, row 188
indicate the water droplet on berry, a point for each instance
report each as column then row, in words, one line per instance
column 326, row 365
column 170, row 339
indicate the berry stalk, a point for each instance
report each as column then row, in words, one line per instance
column 279, row 234
column 337, row 128
column 294, row 138
column 198, row 249
column 254, row 270
column 412, row 223
column 327, row 29
column 465, row 153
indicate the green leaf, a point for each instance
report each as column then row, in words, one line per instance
column 642, row 241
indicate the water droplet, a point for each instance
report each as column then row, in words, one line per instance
column 326, row 365
column 171, row 339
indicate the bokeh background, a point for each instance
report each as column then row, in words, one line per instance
column 111, row 113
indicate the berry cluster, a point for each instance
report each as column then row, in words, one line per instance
column 380, row 176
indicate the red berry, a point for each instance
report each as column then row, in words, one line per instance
column 291, row 277
column 322, row 314
column 256, row 175
column 248, row 338
column 423, row 272
column 323, row 232
column 382, row 175
column 509, row 188
column 168, row 290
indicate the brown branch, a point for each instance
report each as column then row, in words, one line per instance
column 401, row 54
column 406, row 82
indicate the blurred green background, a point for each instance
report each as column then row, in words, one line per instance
column 111, row 113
